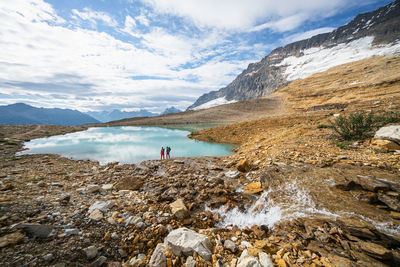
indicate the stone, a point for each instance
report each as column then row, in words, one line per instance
column 370, row 183
column 247, row 260
column 129, row 183
column 48, row 257
column 395, row 215
column 99, row 261
column 37, row 230
column 96, row 215
column 158, row 258
column 253, row 188
column 243, row 166
column 91, row 252
column 98, row 205
column 389, row 133
column 375, row 250
column 265, row 260
column 190, row 262
column 11, row 239
column 185, row 241
column 386, row 145
column 230, row 245
column 92, row 188
column 392, row 202
column 72, row 231
column 232, row 174
column 179, row 209
column 107, row 187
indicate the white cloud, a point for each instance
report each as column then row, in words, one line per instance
column 60, row 66
column 251, row 14
column 94, row 16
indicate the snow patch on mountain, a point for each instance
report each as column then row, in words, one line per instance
column 214, row 103
column 319, row 59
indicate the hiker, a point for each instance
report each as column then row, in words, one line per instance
column 162, row 153
column 168, row 150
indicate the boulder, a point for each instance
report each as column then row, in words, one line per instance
column 158, row 258
column 247, row 260
column 375, row 250
column 370, row 183
column 129, row 183
column 387, row 145
column 90, row 252
column 179, row 209
column 389, row 133
column 265, row 260
column 190, row 262
column 92, row 188
column 185, row 241
column 98, row 205
column 230, row 245
column 253, row 188
column 96, row 215
column 37, row 230
column 243, row 166
column 11, row 239
column 107, row 187
column 392, row 202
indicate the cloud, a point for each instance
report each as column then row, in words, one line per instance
column 93, row 17
column 251, row 15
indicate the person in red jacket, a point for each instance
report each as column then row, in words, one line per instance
column 162, row 153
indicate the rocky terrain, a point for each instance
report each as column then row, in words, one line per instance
column 292, row 194
column 280, row 66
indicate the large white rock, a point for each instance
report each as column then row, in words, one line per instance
column 158, row 258
column 265, row 260
column 247, row 260
column 98, row 205
column 389, row 133
column 185, row 241
column 179, row 209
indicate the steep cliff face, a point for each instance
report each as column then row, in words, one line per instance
column 369, row 34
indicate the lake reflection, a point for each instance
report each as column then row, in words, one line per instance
column 124, row 145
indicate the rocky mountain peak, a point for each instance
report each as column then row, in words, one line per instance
column 368, row 34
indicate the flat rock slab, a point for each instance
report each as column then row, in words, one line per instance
column 389, row 133
column 37, row 230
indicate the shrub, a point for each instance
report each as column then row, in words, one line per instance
column 341, row 145
column 357, row 125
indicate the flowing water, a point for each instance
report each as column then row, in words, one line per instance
column 124, row 145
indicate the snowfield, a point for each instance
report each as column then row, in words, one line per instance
column 214, row 103
column 318, row 59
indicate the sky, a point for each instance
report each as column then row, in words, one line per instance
column 94, row 55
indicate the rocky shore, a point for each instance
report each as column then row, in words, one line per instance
column 182, row 212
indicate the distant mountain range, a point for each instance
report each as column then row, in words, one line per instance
column 367, row 35
column 24, row 114
column 171, row 110
column 115, row 115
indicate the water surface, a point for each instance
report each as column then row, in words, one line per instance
column 124, row 144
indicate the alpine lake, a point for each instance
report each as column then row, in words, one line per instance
column 127, row 144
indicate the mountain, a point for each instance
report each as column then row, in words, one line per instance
column 106, row 116
column 367, row 35
column 171, row 110
column 21, row 113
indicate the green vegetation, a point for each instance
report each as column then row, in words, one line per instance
column 209, row 138
column 361, row 125
column 341, row 145
column 323, row 126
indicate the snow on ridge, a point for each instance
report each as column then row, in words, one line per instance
column 319, row 59
column 214, row 103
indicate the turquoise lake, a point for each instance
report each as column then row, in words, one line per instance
column 124, row 145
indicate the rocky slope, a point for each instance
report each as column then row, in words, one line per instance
column 290, row 195
column 373, row 33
